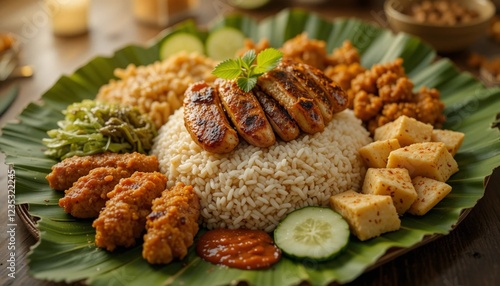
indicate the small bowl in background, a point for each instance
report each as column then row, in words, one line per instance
column 444, row 38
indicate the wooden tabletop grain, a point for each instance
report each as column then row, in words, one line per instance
column 469, row 255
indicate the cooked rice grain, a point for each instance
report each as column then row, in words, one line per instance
column 254, row 187
column 158, row 89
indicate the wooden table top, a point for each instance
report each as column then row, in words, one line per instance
column 469, row 255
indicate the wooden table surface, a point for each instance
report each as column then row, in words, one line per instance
column 469, row 255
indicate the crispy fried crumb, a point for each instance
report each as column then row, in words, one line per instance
column 384, row 92
column 123, row 219
column 172, row 225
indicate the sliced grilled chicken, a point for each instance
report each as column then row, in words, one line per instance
column 312, row 88
column 205, row 120
column 283, row 124
column 338, row 97
column 285, row 89
column 246, row 114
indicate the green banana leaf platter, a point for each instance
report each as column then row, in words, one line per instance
column 65, row 251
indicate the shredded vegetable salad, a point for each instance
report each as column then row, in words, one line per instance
column 91, row 127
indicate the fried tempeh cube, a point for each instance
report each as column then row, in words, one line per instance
column 88, row 195
column 406, row 129
column 427, row 159
column 368, row 215
column 430, row 192
column 123, row 219
column 68, row 171
column 393, row 182
column 377, row 153
column 172, row 225
column 451, row 139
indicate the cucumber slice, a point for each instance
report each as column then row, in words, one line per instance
column 224, row 42
column 312, row 232
column 181, row 42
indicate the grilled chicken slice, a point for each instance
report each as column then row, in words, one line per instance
column 205, row 120
column 283, row 124
column 246, row 114
column 312, row 88
column 338, row 97
column 285, row 89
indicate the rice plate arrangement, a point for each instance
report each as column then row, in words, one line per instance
column 251, row 187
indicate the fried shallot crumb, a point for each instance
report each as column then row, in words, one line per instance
column 306, row 50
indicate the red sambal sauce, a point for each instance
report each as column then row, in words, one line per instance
column 238, row 248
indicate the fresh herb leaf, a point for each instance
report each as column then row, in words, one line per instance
column 228, row 69
column 248, row 59
column 249, row 67
column 246, row 83
column 267, row 60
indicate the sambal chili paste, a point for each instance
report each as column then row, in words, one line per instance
column 238, row 248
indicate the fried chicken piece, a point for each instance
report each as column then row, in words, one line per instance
column 384, row 92
column 248, row 44
column 123, row 219
column 430, row 107
column 88, row 195
column 68, row 171
column 395, row 67
column 367, row 81
column 392, row 111
column 367, row 105
column 392, row 88
column 343, row 74
column 346, row 54
column 172, row 225
column 305, row 50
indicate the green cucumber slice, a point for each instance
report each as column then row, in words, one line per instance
column 181, row 42
column 224, row 42
column 316, row 233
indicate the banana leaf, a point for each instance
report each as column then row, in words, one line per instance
column 66, row 252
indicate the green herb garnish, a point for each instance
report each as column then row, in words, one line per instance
column 249, row 67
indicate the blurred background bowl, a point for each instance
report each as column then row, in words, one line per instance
column 444, row 38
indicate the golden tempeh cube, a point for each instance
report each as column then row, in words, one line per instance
column 368, row 216
column 428, row 159
column 393, row 182
column 406, row 130
column 430, row 192
column 451, row 139
column 377, row 153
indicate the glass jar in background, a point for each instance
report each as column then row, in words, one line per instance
column 68, row 17
column 163, row 12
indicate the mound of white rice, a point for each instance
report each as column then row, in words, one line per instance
column 254, row 187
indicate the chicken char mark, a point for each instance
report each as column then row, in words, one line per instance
column 333, row 91
column 285, row 89
column 283, row 124
column 205, row 120
column 246, row 114
column 329, row 97
column 311, row 88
